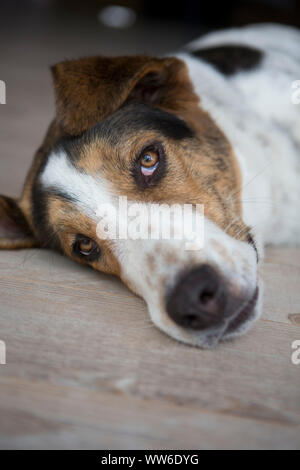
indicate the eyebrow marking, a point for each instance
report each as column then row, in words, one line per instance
column 136, row 117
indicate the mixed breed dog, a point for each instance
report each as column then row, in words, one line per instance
column 213, row 124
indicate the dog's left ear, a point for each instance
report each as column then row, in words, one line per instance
column 15, row 232
column 88, row 90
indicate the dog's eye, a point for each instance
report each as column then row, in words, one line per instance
column 149, row 167
column 149, row 162
column 86, row 247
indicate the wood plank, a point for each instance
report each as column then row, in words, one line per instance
column 72, row 332
column 39, row 415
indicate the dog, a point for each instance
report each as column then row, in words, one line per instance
column 214, row 124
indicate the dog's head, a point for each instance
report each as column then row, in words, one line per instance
column 134, row 127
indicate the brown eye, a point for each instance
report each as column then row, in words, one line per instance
column 149, row 162
column 86, row 247
column 149, row 159
column 149, row 166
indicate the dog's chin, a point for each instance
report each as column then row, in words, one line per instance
column 212, row 337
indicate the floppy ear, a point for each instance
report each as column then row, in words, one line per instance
column 15, row 232
column 87, row 90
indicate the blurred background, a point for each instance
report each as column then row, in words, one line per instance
column 37, row 33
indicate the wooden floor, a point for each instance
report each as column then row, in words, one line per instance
column 85, row 367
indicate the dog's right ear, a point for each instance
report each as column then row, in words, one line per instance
column 15, row 232
column 90, row 89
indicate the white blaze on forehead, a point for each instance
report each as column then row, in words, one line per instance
column 87, row 191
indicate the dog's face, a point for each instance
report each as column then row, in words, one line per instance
column 134, row 127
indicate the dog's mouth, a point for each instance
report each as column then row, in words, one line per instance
column 243, row 317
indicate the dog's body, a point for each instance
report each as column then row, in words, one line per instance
column 215, row 125
column 253, row 106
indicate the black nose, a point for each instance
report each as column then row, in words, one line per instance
column 198, row 300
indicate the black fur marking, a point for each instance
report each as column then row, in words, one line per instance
column 62, row 195
column 129, row 120
column 251, row 242
column 135, row 117
column 230, row 59
column 47, row 237
column 39, row 197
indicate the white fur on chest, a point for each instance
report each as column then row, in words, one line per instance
column 255, row 111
